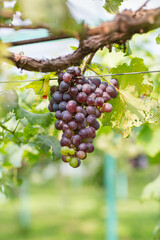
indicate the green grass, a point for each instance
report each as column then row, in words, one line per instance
column 62, row 212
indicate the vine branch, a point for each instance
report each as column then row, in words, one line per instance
column 12, row 132
column 121, row 29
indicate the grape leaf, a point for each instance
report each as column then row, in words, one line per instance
column 8, row 101
column 54, row 13
column 152, row 190
column 112, row 6
column 43, row 120
column 158, row 39
column 47, row 143
column 132, row 107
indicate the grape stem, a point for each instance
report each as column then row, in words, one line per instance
column 12, row 132
column 87, row 62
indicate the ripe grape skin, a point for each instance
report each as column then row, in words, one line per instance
column 69, row 133
column 111, row 91
column 93, row 87
column 59, row 124
column 90, row 148
column 91, row 119
column 81, row 125
column 106, row 97
column 83, row 147
column 81, row 154
column 64, row 158
column 70, row 70
column 86, row 88
column 97, row 113
column 65, row 141
column 90, row 101
column 91, row 110
column 57, row 96
column 76, row 140
column 65, row 127
column 79, row 86
column 73, row 91
column 114, row 81
column 58, row 115
column 91, row 132
column 60, row 76
column 72, row 125
column 79, row 117
column 67, row 77
column 53, row 89
column 66, row 97
column 62, row 106
column 81, row 97
column 98, row 92
column 107, row 107
column 71, row 106
column 92, row 95
column 80, row 109
column 103, row 86
column 99, row 101
column 66, row 116
column 96, row 81
column 83, row 133
column 50, row 108
column 88, row 140
column 95, row 125
column 63, row 87
column 55, row 107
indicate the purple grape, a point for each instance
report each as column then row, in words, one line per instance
column 69, row 133
column 81, row 154
column 64, row 158
column 81, row 97
column 67, row 77
column 52, row 101
column 98, row 113
column 90, row 101
column 62, row 106
column 71, row 106
column 77, row 71
column 106, row 97
column 53, row 89
column 83, row 147
column 63, row 87
column 66, row 116
column 111, row 91
column 76, row 140
column 90, row 148
column 99, row 102
column 92, row 95
column 80, row 80
column 95, row 125
column 96, row 81
column 79, row 86
column 73, row 91
column 91, row 119
column 88, row 140
column 114, row 81
column 107, row 107
column 82, row 125
column 72, row 125
column 98, row 92
column 50, row 108
column 70, row 70
column 79, row 117
column 55, row 107
column 65, row 127
column 59, row 124
column 90, row 110
column 86, row 88
column 80, row 109
column 91, row 132
column 93, row 87
column 60, row 76
column 58, row 115
column 83, row 133
column 65, row 141
column 66, row 97
column 57, row 96
column 103, row 86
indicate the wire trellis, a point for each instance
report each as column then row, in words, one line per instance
column 103, row 75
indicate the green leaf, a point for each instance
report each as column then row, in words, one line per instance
column 158, row 39
column 112, row 6
column 132, row 107
column 43, row 120
column 28, row 97
column 49, row 143
column 149, row 138
column 152, row 190
column 54, row 13
column 8, row 101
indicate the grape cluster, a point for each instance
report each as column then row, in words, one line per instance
column 78, row 102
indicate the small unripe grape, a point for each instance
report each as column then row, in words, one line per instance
column 64, row 150
column 68, row 158
column 71, row 151
column 75, row 163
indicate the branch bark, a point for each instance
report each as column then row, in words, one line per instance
column 122, row 28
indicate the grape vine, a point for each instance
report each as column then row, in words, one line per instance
column 78, row 102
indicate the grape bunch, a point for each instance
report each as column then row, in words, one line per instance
column 78, row 102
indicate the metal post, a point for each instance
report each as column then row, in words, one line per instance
column 110, row 188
